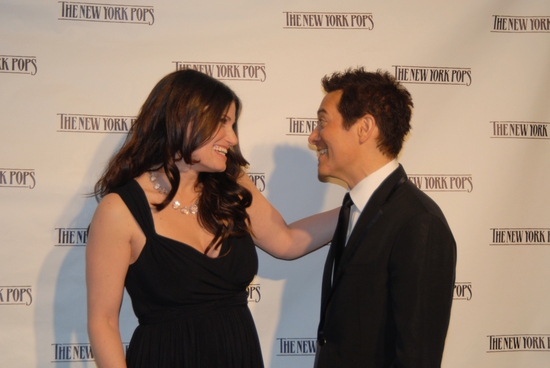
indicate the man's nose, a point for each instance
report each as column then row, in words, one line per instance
column 314, row 136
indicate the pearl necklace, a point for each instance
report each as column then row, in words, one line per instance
column 193, row 209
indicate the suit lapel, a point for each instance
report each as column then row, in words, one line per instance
column 370, row 214
column 326, row 286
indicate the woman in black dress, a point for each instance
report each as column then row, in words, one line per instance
column 176, row 225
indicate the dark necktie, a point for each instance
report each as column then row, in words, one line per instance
column 340, row 235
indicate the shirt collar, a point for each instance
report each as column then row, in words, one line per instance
column 361, row 193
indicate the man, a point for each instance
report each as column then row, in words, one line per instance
column 387, row 301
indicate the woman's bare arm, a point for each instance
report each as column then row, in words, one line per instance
column 272, row 234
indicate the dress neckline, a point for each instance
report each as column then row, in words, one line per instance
column 178, row 242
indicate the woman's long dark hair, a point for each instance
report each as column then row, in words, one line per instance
column 182, row 112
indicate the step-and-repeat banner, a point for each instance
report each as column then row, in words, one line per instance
column 73, row 75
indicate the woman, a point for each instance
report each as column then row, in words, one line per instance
column 176, row 226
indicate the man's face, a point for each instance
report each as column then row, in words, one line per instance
column 336, row 147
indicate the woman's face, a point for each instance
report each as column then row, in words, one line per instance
column 211, row 156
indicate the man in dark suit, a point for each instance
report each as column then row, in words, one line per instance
column 389, row 277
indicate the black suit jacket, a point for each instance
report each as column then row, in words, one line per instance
column 390, row 301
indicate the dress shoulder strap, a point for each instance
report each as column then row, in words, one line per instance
column 134, row 197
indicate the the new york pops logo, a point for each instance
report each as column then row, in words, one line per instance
column 301, row 126
column 328, row 20
column 253, row 72
column 254, row 294
column 18, row 64
column 88, row 123
column 75, row 352
column 17, row 178
column 519, row 236
column 519, row 130
column 521, row 24
column 258, row 178
column 107, row 13
column 433, row 75
column 16, row 295
column 293, row 346
column 71, row 236
column 443, row 182
column 462, row 291
column 518, row 342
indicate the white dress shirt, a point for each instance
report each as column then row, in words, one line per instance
column 361, row 193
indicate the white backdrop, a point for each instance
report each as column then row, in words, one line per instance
column 74, row 74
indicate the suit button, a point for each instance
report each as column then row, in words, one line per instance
column 322, row 342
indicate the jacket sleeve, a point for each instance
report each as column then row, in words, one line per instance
column 422, row 274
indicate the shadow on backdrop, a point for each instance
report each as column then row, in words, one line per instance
column 294, row 189
column 61, row 297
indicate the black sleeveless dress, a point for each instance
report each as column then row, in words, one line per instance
column 192, row 309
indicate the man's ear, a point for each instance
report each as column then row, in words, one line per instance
column 367, row 128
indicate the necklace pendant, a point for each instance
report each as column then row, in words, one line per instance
column 160, row 189
column 193, row 209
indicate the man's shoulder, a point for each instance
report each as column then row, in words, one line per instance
column 411, row 197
